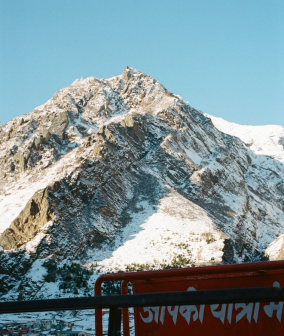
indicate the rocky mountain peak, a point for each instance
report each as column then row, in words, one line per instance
column 119, row 172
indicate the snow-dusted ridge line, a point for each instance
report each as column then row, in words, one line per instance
column 262, row 140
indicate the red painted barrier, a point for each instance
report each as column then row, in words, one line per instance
column 216, row 319
column 224, row 319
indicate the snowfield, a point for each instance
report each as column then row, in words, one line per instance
column 178, row 228
column 262, row 140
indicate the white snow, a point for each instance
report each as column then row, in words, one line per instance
column 262, row 140
column 32, row 245
column 178, row 227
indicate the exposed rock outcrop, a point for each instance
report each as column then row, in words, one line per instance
column 25, row 227
column 275, row 250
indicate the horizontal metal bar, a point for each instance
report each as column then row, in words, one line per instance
column 192, row 271
column 235, row 295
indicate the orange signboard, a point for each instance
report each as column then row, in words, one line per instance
column 216, row 319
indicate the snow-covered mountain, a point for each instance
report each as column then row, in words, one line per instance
column 120, row 174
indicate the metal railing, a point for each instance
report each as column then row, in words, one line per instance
column 116, row 302
column 125, row 278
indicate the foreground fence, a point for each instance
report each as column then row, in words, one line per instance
column 230, row 300
column 233, row 313
column 115, row 303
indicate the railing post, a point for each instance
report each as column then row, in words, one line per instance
column 114, row 322
column 98, row 312
column 125, row 311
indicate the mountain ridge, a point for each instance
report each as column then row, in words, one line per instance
column 121, row 173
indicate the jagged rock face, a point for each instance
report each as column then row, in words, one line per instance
column 25, row 226
column 275, row 250
column 75, row 171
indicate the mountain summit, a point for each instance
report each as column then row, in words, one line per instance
column 120, row 174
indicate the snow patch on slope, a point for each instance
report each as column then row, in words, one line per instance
column 262, row 140
column 178, row 227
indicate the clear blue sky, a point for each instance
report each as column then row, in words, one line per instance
column 226, row 57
